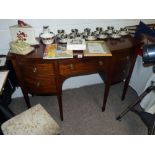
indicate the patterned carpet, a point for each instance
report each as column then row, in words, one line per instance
column 82, row 111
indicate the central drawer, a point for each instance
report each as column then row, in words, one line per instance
column 81, row 67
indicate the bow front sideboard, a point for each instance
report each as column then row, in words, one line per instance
column 41, row 76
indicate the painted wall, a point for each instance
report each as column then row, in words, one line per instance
column 67, row 25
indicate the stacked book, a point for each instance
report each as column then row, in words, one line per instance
column 78, row 48
column 57, row 51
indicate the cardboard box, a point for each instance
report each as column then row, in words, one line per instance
column 76, row 44
column 25, row 33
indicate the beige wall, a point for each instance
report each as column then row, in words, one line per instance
column 66, row 24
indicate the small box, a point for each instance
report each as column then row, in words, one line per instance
column 24, row 33
column 76, row 44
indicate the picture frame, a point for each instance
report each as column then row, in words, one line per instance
column 97, row 48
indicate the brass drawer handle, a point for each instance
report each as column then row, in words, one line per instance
column 100, row 63
column 34, row 69
column 38, row 84
column 124, row 71
column 127, row 58
column 71, row 66
column 2, row 90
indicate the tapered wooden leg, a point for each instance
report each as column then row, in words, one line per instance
column 126, row 84
column 133, row 60
column 106, row 92
column 59, row 96
column 27, row 100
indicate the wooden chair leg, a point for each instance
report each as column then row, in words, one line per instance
column 149, row 131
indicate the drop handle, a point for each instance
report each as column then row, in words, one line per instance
column 2, row 89
column 127, row 58
column 100, row 63
column 38, row 84
column 124, row 71
column 34, row 69
column 71, row 66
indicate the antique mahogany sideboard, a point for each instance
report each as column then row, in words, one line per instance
column 41, row 76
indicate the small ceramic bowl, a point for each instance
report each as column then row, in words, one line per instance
column 47, row 41
column 63, row 40
column 91, row 38
column 102, row 36
column 123, row 33
column 115, row 35
column 110, row 30
column 47, row 38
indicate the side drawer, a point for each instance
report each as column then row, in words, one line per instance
column 41, row 84
column 38, row 76
column 37, row 69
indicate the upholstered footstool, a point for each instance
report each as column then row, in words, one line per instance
column 34, row 121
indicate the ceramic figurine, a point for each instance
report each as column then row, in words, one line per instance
column 91, row 36
column 110, row 29
column 102, row 35
column 123, row 31
column 47, row 37
column 64, row 38
column 60, row 33
column 116, row 34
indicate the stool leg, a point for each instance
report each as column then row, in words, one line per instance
column 59, row 96
column 151, row 130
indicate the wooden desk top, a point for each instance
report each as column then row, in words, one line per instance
column 113, row 44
